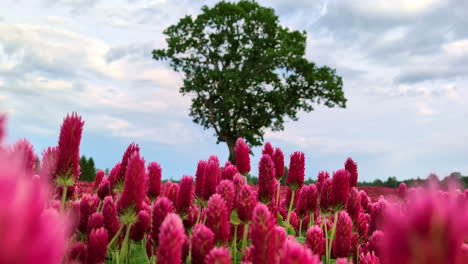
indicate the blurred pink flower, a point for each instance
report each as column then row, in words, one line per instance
column 296, row 172
column 22, row 148
column 141, row 226
column 226, row 189
column 218, row 256
column 344, row 230
column 353, row 206
column 293, row 253
column 217, row 218
column 111, row 219
column 154, row 180
column 134, row 190
column 2, row 128
column 266, row 179
column 95, row 221
column 122, row 172
column 161, row 208
column 199, row 178
column 246, row 203
column 268, row 149
column 97, row 246
column 49, row 164
column 30, row 233
column 427, row 229
column 242, row 156
column 185, row 194
column 202, row 243
column 211, row 178
column 228, row 172
column 340, row 187
column 315, row 240
column 99, row 176
column 351, row 167
column 171, row 240
column 68, row 158
column 278, row 159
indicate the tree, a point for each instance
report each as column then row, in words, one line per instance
column 88, row 171
column 245, row 72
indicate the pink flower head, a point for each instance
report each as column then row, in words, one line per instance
column 49, row 163
column 375, row 241
column 184, row 198
column 296, row 172
column 211, row 178
column 228, row 172
column 246, row 202
column 161, row 208
column 344, row 230
column 340, row 188
column 268, row 149
column 301, row 208
column 111, row 219
column 2, row 128
column 202, row 243
column 218, row 256
column 25, row 150
column 293, row 252
column 88, row 206
column 154, row 178
column 377, row 211
column 427, row 230
column 131, row 150
column 142, row 225
column 238, row 181
column 365, row 200
column 325, row 194
column 99, row 176
column 321, row 178
column 353, row 207
column 95, row 221
column 114, row 176
column 77, row 252
column 266, row 179
column 341, row 261
column 171, row 238
column 104, row 189
column 263, row 232
column 199, row 178
column 278, row 159
column 97, row 246
column 226, row 189
column 242, row 156
column 351, row 167
column 30, row 233
column 134, row 191
column 402, row 190
column 307, row 200
column 369, row 258
column 362, row 225
column 68, row 159
column 171, row 191
column 315, row 240
column 217, row 218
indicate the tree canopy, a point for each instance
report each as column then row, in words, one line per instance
column 246, row 73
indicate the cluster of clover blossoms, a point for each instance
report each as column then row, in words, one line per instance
column 131, row 216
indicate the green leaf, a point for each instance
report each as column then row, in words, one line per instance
column 290, row 230
column 138, row 255
column 301, row 239
column 235, row 218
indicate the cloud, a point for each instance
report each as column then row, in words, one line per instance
column 424, row 110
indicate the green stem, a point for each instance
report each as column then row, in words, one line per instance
column 327, row 258
column 244, row 235
column 332, row 234
column 357, row 254
column 311, row 220
column 64, row 198
column 278, row 193
column 123, row 252
column 115, row 237
column 99, row 206
column 300, row 227
column 198, row 216
column 234, row 244
column 290, row 207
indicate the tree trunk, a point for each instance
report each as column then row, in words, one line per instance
column 232, row 155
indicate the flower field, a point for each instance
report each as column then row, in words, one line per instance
column 129, row 216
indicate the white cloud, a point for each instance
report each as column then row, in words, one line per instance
column 425, row 110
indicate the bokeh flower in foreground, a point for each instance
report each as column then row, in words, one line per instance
column 429, row 229
column 30, row 233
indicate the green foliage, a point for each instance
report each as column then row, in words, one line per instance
column 88, row 171
column 245, row 72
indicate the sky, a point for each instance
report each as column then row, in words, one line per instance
column 403, row 63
